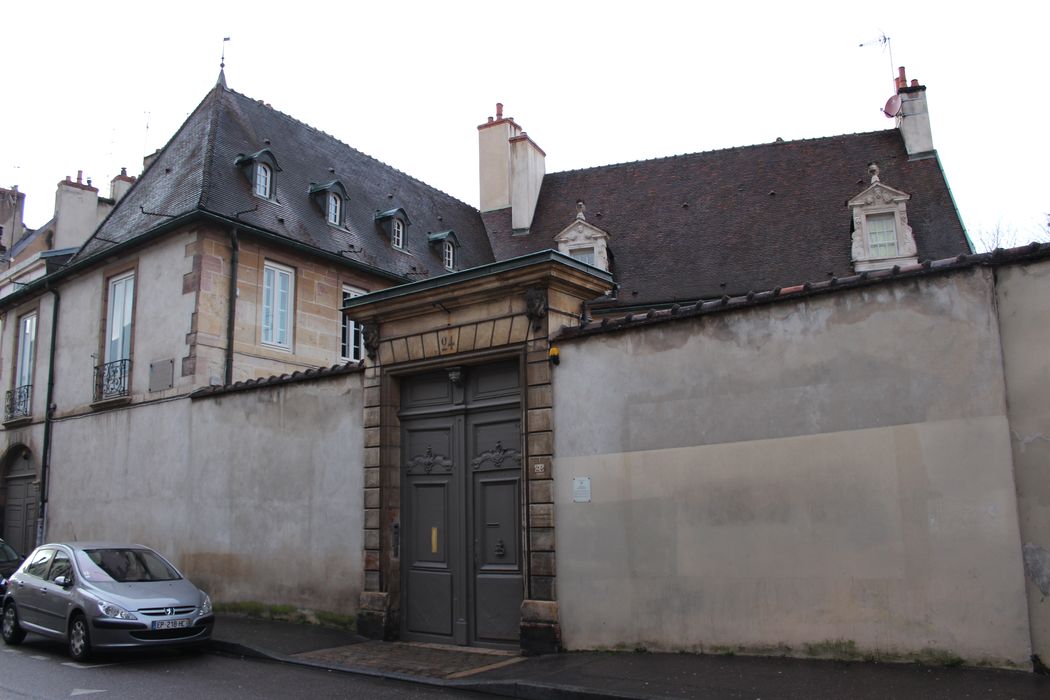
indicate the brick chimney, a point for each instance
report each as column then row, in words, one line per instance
column 511, row 166
column 914, row 119
column 119, row 185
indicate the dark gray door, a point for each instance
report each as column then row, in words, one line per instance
column 462, row 575
column 20, row 514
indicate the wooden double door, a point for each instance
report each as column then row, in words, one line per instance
column 462, row 578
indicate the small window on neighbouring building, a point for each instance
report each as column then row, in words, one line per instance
column 584, row 255
column 449, row 251
column 278, row 305
column 882, row 235
column 335, row 209
column 352, row 345
column 263, row 180
column 397, row 235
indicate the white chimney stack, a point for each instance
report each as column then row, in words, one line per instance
column 511, row 167
column 914, row 119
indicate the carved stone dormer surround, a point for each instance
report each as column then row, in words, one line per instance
column 581, row 235
column 876, row 202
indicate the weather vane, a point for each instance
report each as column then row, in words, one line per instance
column 222, row 61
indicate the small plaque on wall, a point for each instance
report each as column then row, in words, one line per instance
column 581, row 489
column 161, row 375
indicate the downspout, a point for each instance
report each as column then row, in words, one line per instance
column 231, row 304
column 45, row 458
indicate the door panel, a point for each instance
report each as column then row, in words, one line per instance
column 20, row 515
column 431, row 522
column 462, row 569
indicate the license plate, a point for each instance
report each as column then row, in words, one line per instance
column 170, row 624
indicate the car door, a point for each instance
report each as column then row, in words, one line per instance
column 28, row 585
column 54, row 599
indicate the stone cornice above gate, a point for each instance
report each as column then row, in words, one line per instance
column 501, row 304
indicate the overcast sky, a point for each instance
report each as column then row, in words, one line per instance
column 592, row 82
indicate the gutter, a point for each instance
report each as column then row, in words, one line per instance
column 231, row 303
column 45, row 459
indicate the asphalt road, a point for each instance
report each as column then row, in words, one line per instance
column 40, row 668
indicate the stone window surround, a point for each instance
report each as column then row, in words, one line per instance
column 877, row 199
column 277, row 267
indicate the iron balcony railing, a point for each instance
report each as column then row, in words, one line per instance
column 17, row 402
column 111, row 380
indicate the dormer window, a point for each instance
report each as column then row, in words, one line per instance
column 329, row 198
column 259, row 168
column 584, row 241
column 335, row 209
column 446, row 243
column 394, row 223
column 881, row 235
column 449, row 254
column 263, row 179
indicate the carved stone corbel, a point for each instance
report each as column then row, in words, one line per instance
column 370, row 334
column 536, row 307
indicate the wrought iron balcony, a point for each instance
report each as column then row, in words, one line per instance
column 111, row 380
column 17, row 403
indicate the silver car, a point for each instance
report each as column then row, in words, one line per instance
column 103, row 596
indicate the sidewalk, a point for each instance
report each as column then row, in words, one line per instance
column 615, row 674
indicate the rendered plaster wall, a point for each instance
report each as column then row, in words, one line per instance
column 820, row 472
column 162, row 317
column 1024, row 321
column 256, row 495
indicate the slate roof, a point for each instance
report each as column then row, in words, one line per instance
column 724, row 222
column 1032, row 252
column 196, row 172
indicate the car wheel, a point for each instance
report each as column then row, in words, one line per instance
column 79, row 639
column 10, row 630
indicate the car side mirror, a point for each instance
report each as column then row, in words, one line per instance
column 64, row 581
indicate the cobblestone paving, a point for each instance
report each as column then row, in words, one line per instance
column 430, row 660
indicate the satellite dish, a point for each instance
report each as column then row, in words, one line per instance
column 893, row 106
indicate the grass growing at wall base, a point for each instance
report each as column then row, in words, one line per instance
column 288, row 613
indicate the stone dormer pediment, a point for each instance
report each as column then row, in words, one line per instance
column 584, row 241
column 881, row 235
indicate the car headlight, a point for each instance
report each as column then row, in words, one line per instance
column 114, row 611
column 205, row 604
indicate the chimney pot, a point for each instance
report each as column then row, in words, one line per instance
column 914, row 82
column 499, row 110
column 69, row 179
column 80, row 177
column 124, row 172
column 902, row 81
column 491, row 120
column 89, row 182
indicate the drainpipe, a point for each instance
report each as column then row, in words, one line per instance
column 45, row 458
column 231, row 304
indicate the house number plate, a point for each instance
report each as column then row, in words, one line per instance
column 581, row 489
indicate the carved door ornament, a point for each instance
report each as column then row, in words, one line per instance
column 496, row 457
column 370, row 334
column 428, row 461
column 536, row 307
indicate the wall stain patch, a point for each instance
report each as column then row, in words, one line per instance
column 1037, row 566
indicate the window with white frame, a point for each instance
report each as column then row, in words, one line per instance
column 278, row 305
column 584, row 255
column 121, row 300
column 352, row 343
column 882, row 235
column 397, row 233
column 335, row 209
column 449, row 254
column 26, row 350
column 263, row 180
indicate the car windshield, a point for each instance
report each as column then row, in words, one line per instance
column 124, row 566
column 7, row 553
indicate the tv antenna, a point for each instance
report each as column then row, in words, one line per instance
column 884, row 41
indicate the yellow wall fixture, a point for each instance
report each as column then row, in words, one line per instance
column 555, row 355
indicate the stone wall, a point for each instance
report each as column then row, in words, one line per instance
column 255, row 494
column 1022, row 296
column 830, row 470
